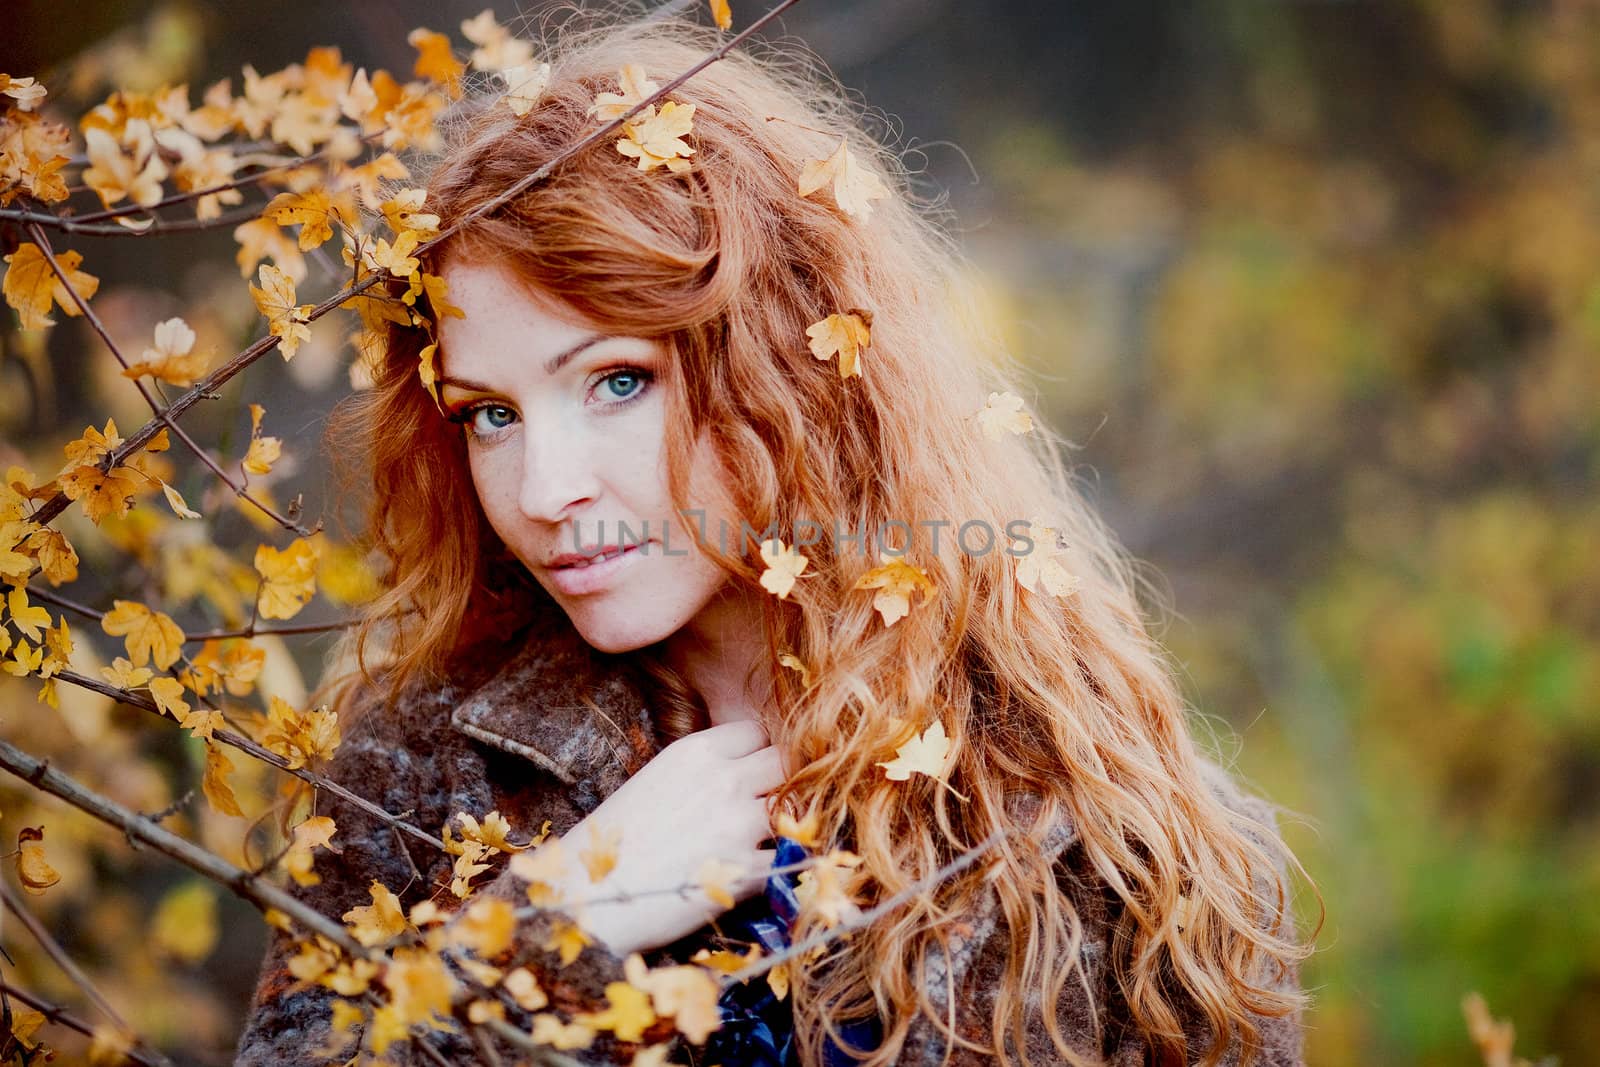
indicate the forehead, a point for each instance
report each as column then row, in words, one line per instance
column 503, row 315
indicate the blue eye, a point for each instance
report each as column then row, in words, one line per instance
column 624, row 384
column 484, row 420
column 491, row 417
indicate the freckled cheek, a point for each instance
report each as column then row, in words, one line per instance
column 496, row 483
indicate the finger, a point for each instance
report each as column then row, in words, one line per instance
column 730, row 740
column 754, row 878
column 762, row 771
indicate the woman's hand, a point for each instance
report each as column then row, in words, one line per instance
column 700, row 798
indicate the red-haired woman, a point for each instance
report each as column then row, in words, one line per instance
column 670, row 356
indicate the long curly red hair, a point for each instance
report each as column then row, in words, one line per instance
column 1067, row 697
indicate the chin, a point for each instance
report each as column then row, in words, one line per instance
column 613, row 632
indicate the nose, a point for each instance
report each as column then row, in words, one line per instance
column 558, row 472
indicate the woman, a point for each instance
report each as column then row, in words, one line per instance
column 669, row 357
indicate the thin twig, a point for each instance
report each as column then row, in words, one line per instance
column 71, row 225
column 268, row 631
column 68, row 965
column 55, row 1013
column 251, row 748
column 195, row 194
column 67, row 604
column 866, row 918
column 161, row 416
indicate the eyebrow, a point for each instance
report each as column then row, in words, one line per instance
column 551, row 365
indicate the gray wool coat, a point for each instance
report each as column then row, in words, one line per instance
column 511, row 731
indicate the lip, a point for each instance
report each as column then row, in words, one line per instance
column 576, row 581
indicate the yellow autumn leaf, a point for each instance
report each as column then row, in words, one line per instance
column 308, row 835
column 185, row 923
column 261, row 239
column 56, row 556
column 24, row 1024
column 215, row 782
column 313, row 211
column 805, row 831
column 262, row 454
column 58, row 641
column 895, row 580
column 686, row 994
column 35, row 873
column 656, row 138
column 427, row 372
column 434, row 60
column 397, row 258
column 486, row 927
column 524, row 989
column 635, row 87
column 627, row 1014
column 467, row 866
column 721, row 14
column 378, row 922
column 24, row 660
column 567, row 939
column 925, row 754
column 168, row 695
column 497, row 49
column 300, row 738
column 854, row 186
column 778, row 980
column 124, row 675
column 548, row 1029
column 102, row 493
column 1043, row 568
column 794, row 663
column 600, row 858
column 823, row 887
column 525, row 84
column 92, row 446
column 784, row 565
column 288, row 578
column 176, row 502
column 25, row 92
column 28, row 618
column 171, row 359
column 286, row 320
column 419, row 986
column 117, row 175
column 715, row 876
column 1003, row 414
column 147, row 634
column 494, row 832
column 30, row 285
column 844, row 334
column 404, row 212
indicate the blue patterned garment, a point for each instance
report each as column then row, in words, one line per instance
column 758, row 1028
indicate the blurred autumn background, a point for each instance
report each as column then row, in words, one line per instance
column 1314, row 287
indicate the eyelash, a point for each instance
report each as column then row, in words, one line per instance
column 463, row 416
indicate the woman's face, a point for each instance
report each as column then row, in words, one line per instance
column 565, row 429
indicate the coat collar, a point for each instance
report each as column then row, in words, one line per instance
column 572, row 711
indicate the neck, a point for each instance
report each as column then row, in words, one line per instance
column 722, row 654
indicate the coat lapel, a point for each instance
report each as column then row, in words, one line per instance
column 570, row 710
